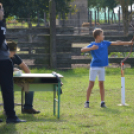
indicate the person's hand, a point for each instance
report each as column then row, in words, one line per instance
column 94, row 47
column 131, row 42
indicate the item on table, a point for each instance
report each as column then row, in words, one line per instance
column 17, row 73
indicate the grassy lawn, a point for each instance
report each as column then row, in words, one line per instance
column 74, row 117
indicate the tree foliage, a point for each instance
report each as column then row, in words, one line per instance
column 102, row 3
column 124, row 5
column 113, row 3
column 30, row 8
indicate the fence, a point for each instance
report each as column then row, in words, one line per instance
column 74, row 56
column 35, row 49
column 82, row 22
column 93, row 17
column 85, row 22
column 103, row 16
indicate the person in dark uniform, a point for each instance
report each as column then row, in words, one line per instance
column 6, row 74
column 28, row 107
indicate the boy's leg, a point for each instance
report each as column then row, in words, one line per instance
column 101, row 85
column 89, row 90
column 102, row 90
column 92, row 78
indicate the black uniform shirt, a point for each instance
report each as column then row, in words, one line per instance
column 16, row 60
column 4, row 53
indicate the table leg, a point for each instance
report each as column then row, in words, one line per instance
column 54, row 101
column 22, row 100
column 59, row 100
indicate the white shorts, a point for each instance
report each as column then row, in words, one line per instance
column 97, row 71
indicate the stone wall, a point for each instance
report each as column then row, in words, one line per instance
column 81, row 6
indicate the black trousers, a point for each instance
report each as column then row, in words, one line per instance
column 6, row 83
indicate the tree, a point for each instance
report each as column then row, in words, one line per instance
column 32, row 8
column 124, row 5
column 102, row 3
column 53, row 34
column 113, row 3
column 25, row 8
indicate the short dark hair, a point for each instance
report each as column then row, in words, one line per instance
column 97, row 32
column 12, row 45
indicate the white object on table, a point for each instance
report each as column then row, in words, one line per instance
column 17, row 73
column 39, row 75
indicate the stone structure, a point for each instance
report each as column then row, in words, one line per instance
column 82, row 16
column 82, row 7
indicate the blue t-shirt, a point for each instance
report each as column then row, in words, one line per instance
column 100, row 56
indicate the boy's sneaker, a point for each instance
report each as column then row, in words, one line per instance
column 103, row 105
column 86, row 105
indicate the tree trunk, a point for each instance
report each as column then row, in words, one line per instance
column 98, row 15
column 124, row 4
column 125, row 19
column 29, row 21
column 53, row 57
column 38, row 15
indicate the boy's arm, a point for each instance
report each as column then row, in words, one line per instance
column 86, row 49
column 122, row 43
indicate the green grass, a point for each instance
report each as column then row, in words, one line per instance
column 24, row 25
column 75, row 119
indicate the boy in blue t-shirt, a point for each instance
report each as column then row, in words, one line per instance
column 99, row 52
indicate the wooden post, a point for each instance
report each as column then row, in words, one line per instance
column 88, row 10
column 45, row 20
column 119, row 18
column 98, row 15
column 38, row 15
column 53, row 56
column 131, row 10
column 59, row 18
column 29, row 23
column 90, row 22
column 113, row 17
column 63, row 17
column 78, row 24
column 88, row 13
column 70, row 15
column 90, row 19
column 105, row 17
column 108, row 17
column 70, row 18
column 95, row 18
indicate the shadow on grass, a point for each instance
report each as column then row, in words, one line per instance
column 7, row 128
column 40, row 118
column 110, row 110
